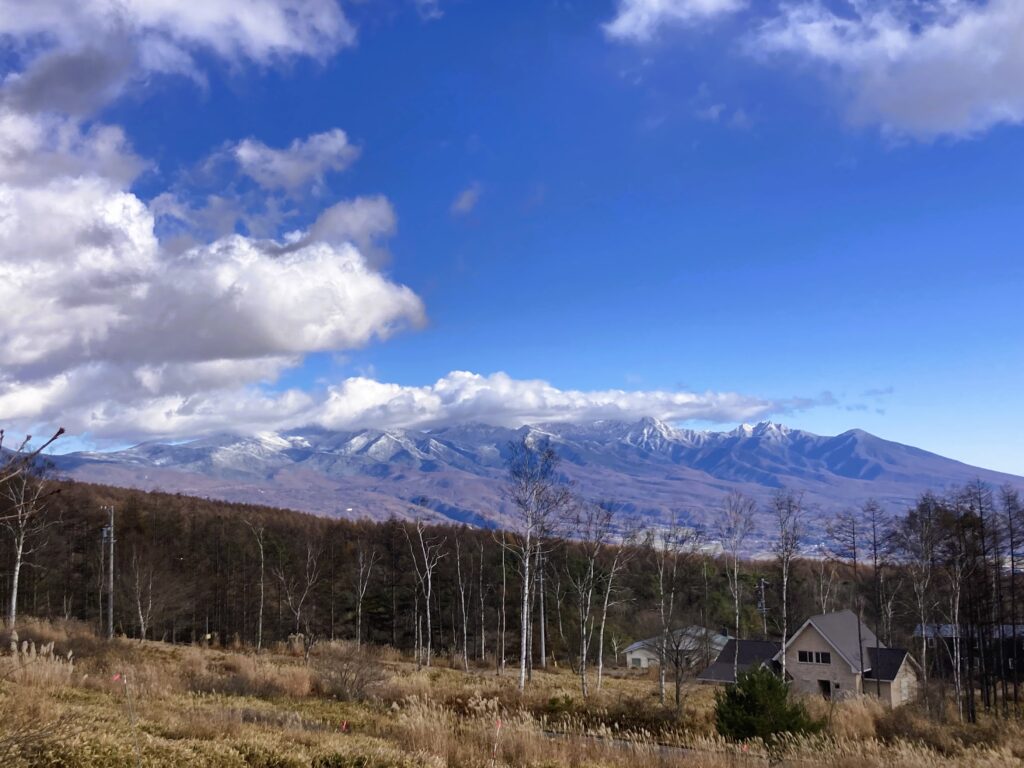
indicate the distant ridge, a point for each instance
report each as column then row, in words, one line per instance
column 457, row 473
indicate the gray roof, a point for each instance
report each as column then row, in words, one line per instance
column 840, row 629
column 751, row 653
column 693, row 636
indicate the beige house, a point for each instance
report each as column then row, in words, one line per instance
column 692, row 647
column 824, row 656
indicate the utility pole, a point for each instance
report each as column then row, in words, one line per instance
column 762, row 606
column 108, row 535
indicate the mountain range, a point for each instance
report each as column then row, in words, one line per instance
column 653, row 470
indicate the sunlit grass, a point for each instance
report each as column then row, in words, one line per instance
column 210, row 707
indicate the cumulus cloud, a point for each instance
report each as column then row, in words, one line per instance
column 639, row 21
column 79, row 54
column 951, row 68
column 93, row 284
column 467, row 200
column 107, row 327
column 303, row 162
column 37, row 148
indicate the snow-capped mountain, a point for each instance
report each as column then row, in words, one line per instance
column 653, row 469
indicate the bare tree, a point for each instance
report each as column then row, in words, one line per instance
column 825, row 580
column 787, row 507
column 483, row 612
column 734, row 528
column 427, row 552
column 915, row 541
column 957, row 566
column 502, row 616
column 878, row 531
column 25, row 493
column 257, row 532
column 592, row 528
column 296, row 589
column 620, row 558
column 1013, row 520
column 464, row 586
column 669, row 547
column 846, row 533
column 364, row 569
column 538, row 497
column 21, row 459
column 141, row 586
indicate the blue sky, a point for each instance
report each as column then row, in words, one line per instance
column 724, row 201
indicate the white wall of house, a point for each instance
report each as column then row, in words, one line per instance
column 811, row 676
column 642, row 658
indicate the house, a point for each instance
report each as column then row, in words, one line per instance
column 1003, row 646
column 691, row 646
column 823, row 656
column 751, row 653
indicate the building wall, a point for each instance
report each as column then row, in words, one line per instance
column 806, row 676
column 646, row 658
column 905, row 686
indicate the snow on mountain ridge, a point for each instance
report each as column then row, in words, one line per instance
column 653, row 469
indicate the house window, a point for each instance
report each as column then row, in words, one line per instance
column 814, row 657
column 636, row 661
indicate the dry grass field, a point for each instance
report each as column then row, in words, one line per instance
column 128, row 703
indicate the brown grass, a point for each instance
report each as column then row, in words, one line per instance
column 349, row 707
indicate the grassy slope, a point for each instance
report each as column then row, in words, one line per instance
column 208, row 707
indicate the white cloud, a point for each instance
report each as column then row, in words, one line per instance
column 109, row 329
column 467, row 200
column 258, row 30
column 303, row 162
column 107, row 402
column 93, row 284
column 639, row 21
column 950, row 68
column 499, row 399
column 80, row 54
column 37, row 148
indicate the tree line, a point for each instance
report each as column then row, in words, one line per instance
column 570, row 583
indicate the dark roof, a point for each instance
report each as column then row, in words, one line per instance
column 751, row 654
column 885, row 663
